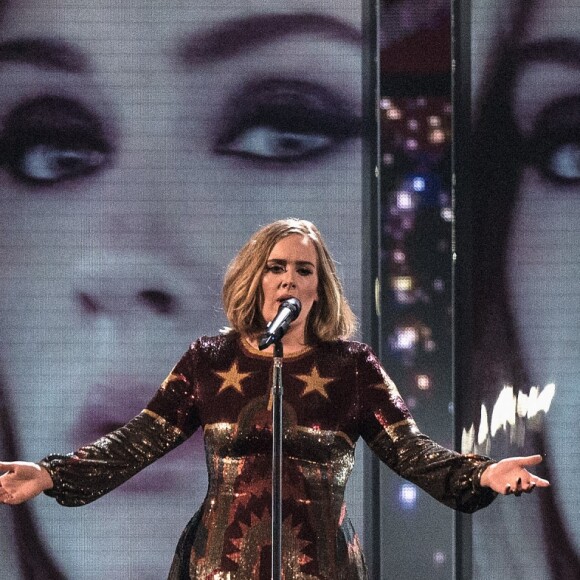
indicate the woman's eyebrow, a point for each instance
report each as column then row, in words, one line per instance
column 283, row 261
column 556, row 50
column 223, row 41
column 44, row 53
column 233, row 36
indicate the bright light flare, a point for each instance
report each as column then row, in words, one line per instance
column 512, row 414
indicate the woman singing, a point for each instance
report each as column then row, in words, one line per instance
column 335, row 392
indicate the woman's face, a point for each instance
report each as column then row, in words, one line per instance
column 544, row 250
column 291, row 272
column 140, row 143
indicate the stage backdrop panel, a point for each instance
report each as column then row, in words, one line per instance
column 519, row 256
column 416, row 532
column 141, row 143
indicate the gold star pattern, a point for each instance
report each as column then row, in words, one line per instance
column 315, row 383
column 232, row 379
column 173, row 376
column 260, row 528
column 387, row 384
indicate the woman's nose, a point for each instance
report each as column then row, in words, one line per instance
column 153, row 300
column 125, row 285
column 138, row 301
column 289, row 279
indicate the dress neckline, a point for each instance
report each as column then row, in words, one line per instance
column 252, row 350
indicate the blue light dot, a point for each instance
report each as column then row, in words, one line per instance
column 418, row 184
column 408, row 496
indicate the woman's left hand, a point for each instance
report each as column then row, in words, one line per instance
column 511, row 476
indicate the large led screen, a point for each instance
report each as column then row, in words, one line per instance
column 524, row 178
column 141, row 143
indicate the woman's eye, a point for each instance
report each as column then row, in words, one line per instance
column 554, row 147
column 275, row 269
column 286, row 121
column 51, row 139
column 50, row 163
column 304, row 271
column 564, row 163
column 274, row 143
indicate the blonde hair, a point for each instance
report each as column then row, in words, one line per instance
column 330, row 317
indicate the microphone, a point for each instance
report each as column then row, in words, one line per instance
column 288, row 312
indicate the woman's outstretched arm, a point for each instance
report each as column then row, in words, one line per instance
column 511, row 476
column 22, row 481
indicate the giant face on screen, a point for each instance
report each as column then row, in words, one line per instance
column 543, row 255
column 140, row 144
column 533, row 86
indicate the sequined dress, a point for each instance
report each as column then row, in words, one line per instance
column 334, row 393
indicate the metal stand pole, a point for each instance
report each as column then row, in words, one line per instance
column 277, row 462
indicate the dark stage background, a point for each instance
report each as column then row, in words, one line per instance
column 416, row 533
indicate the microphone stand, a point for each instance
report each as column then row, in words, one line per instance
column 277, row 461
column 288, row 311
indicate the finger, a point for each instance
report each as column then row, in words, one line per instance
column 530, row 487
column 508, row 489
column 541, row 482
column 530, row 460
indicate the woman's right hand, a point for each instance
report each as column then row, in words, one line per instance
column 23, row 481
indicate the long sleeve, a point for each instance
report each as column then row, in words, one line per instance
column 390, row 431
column 94, row 470
column 168, row 420
column 448, row 476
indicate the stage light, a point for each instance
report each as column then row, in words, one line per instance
column 405, row 200
column 411, row 144
column 408, row 496
column 438, row 285
column 388, row 159
column 446, row 214
column 430, row 345
column 434, row 121
column 406, row 338
column 399, row 257
column 418, row 184
column 402, row 283
column 423, row 382
column 394, row 114
column 437, row 136
column 413, row 124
